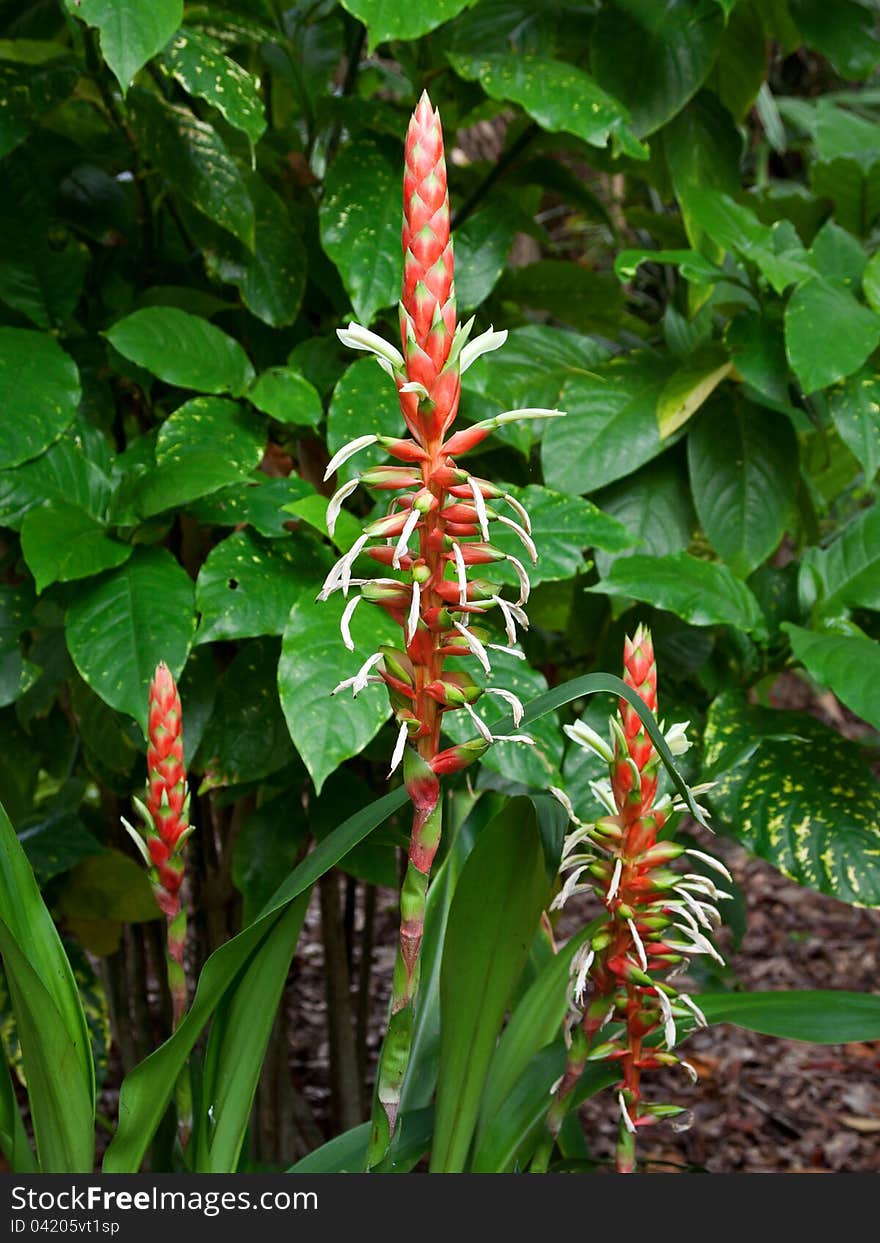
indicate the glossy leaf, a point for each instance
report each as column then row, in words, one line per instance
column 855, row 408
column 386, row 19
column 828, row 334
column 39, row 393
column 820, row 1016
column 366, row 399
column 61, row 542
column 201, row 66
column 131, row 32
column 182, row 349
column 846, row 574
column 848, row 664
column 654, row 504
column 690, row 386
column 287, row 395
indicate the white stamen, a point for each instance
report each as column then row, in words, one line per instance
column 461, row 571
column 345, row 621
column 525, row 539
column 334, row 507
column 340, row 575
column 624, row 1114
column 520, row 509
column 562, row 797
column 586, row 737
column 702, row 944
column 555, row 1086
column 475, row 645
column 414, row 387
column 615, row 881
column 638, row 943
column 571, row 884
column 412, row 520
column 510, row 698
column 399, row 747
column 483, row 344
column 347, row 451
column 480, row 507
column 481, row 726
column 412, row 620
column 528, row 412
column 356, row 337
column 525, row 586
column 710, row 862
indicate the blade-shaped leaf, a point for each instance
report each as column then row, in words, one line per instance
column 820, row 1016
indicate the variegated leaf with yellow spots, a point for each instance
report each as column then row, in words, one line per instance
column 796, row 794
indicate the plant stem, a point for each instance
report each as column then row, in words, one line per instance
column 345, row 1087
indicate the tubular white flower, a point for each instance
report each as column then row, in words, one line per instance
column 412, row 619
column 508, row 615
column 481, row 727
column 571, row 884
column 525, row 586
column 677, row 740
column 562, row 797
column 399, row 747
column 340, row 575
column 345, row 621
column 689, row 1003
column 690, row 1071
column 508, row 651
column 356, row 337
column 624, row 1114
column 527, row 412
column 480, row 507
column 526, row 739
column 615, row 881
column 710, row 861
column 510, row 698
column 703, row 944
column 520, row 509
column 346, row 452
column 602, row 791
column 334, row 506
column 580, row 966
column 461, row 572
column 360, row 678
column 669, row 1032
column 474, row 645
column 483, row 344
column 638, row 943
column 412, row 521
column 688, row 900
column 524, row 538
column 586, row 737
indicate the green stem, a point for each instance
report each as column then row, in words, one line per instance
column 574, row 1068
column 394, row 1058
column 177, row 986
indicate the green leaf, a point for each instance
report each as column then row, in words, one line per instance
column 846, row 574
column 611, row 424
column 246, row 738
column 204, row 445
column 757, row 346
column 846, row 34
column 365, row 400
column 326, row 729
column 287, row 396
column 670, row 49
column 49, row 1017
column 744, row 473
column 838, row 255
column 796, row 794
column 347, row 1153
column 702, row 147
column 39, row 394
column 27, row 93
column 828, row 334
column 387, row 19
column 267, row 847
column 70, row 470
column 848, row 664
column 109, row 886
column 494, row 914
column 255, row 502
column 741, row 67
column 203, row 171
column 655, row 506
column 855, row 408
column 131, row 32
column 556, row 94
column 690, row 386
column 120, row 626
column 201, row 66
column 247, row 587
column 588, row 301
column 871, row 282
column 820, row 1016
column 482, row 244
column 776, row 250
column 56, row 843
column 360, row 225
column 703, row 593
column 61, row 542
column 39, row 275
column 182, row 349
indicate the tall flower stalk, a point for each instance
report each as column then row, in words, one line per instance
column 434, row 535
column 657, row 918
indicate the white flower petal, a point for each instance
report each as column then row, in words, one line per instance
column 483, row 344
column 480, row 506
column 399, row 747
column 334, row 506
column 474, row 645
column 346, row 452
column 356, row 337
column 412, row 521
column 510, row 698
column 345, row 621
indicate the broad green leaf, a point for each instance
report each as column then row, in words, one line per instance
column 703, row 593
column 387, row 19
column 364, row 401
column 182, row 349
column 757, row 347
column 193, row 153
column 109, row 886
column 237, row 1046
column 837, row 255
column 692, row 265
column 131, row 32
column 871, row 282
column 839, row 132
column 853, row 188
column 360, row 225
column 654, row 504
column 49, row 1017
column 14, row 1141
column 482, row 244
column 327, row 729
column 744, row 473
column 741, row 67
column 204, row 445
column 61, row 542
column 120, row 626
column 558, row 95
column 27, row 93
column 670, row 49
column 347, row 1153
column 39, row 276
column 267, row 847
column 846, row 574
column 73, row 469
column 848, row 664
column 287, row 396
column 775, row 250
column 246, row 738
column 796, row 794
column 39, row 393
column 855, row 408
column 610, row 427
column 828, row 334
column 55, row 843
column 820, row 1016
column 702, row 147
column 846, row 33
column 493, row 918
column 258, row 503
column 690, row 386
column 588, row 301
column 201, row 66
column 247, row 586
